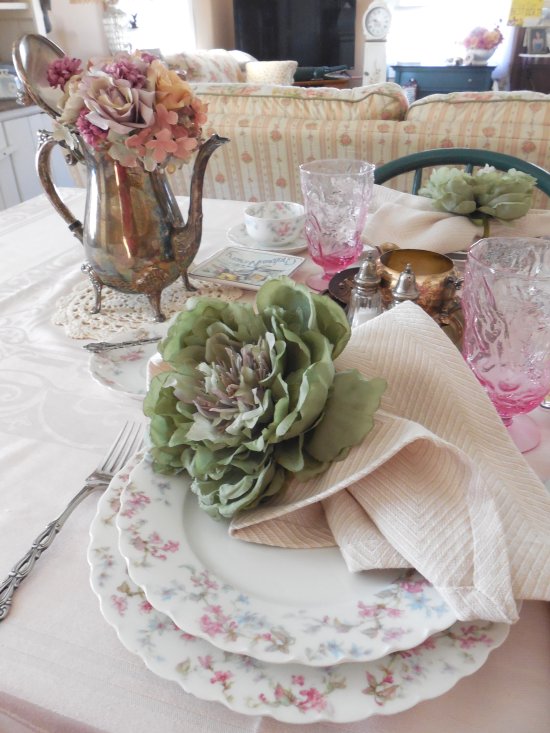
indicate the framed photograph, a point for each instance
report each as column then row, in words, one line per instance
column 536, row 41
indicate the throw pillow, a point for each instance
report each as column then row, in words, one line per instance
column 243, row 58
column 217, row 65
column 271, row 72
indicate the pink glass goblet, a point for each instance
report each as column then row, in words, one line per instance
column 506, row 304
column 336, row 194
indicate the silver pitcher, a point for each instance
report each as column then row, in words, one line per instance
column 134, row 236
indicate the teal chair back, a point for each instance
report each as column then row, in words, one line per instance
column 467, row 157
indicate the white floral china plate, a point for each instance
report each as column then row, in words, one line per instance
column 125, row 369
column 275, row 604
column 290, row 693
column 238, row 235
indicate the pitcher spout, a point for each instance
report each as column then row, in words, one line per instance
column 186, row 238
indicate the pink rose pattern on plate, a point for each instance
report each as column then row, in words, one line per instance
column 291, row 693
column 399, row 614
column 124, row 369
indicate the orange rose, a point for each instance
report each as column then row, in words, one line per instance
column 171, row 90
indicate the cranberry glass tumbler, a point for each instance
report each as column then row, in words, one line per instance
column 506, row 304
column 336, row 194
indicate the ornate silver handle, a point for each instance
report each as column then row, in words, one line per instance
column 22, row 569
column 99, row 346
column 47, row 143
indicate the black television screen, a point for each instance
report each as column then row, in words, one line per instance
column 311, row 32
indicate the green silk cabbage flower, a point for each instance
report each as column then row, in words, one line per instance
column 484, row 195
column 253, row 395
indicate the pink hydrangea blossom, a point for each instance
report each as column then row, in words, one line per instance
column 184, row 144
column 92, row 134
column 164, row 118
column 123, row 67
column 60, row 71
column 137, row 141
column 148, row 57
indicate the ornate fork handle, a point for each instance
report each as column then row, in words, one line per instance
column 22, row 569
column 100, row 346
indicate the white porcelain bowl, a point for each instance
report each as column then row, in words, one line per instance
column 274, row 222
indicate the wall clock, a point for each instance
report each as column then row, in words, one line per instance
column 376, row 26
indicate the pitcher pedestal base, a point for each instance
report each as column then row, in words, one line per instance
column 153, row 298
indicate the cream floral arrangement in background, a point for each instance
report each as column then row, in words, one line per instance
column 253, row 397
column 130, row 106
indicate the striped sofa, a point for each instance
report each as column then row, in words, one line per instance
column 272, row 129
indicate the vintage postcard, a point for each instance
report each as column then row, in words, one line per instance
column 247, row 268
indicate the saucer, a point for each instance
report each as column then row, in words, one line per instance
column 125, row 369
column 238, row 235
column 340, row 285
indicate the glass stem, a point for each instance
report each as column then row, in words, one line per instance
column 486, row 227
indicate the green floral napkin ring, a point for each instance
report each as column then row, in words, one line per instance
column 481, row 196
column 253, row 396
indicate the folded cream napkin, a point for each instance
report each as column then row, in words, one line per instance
column 437, row 484
column 412, row 223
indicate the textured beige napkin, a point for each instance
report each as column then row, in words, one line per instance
column 412, row 223
column 437, row 485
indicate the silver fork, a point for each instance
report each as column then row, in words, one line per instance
column 127, row 442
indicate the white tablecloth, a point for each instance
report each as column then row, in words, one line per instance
column 62, row 668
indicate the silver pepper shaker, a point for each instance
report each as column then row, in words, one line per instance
column 405, row 288
column 365, row 300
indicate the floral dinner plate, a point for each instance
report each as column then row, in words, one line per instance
column 238, row 235
column 290, row 693
column 275, row 604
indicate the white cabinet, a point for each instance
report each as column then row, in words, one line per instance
column 19, row 125
column 17, row 18
column 18, row 144
column 9, row 194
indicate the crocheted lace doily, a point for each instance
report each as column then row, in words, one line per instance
column 126, row 312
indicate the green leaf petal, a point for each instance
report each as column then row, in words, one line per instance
column 154, row 393
column 291, row 300
column 289, row 454
column 348, row 416
column 313, row 393
column 332, row 322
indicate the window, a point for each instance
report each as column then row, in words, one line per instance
column 431, row 32
column 164, row 24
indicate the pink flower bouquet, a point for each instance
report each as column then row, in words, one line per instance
column 131, row 106
column 481, row 38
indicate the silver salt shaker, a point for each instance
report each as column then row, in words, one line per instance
column 405, row 288
column 365, row 301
